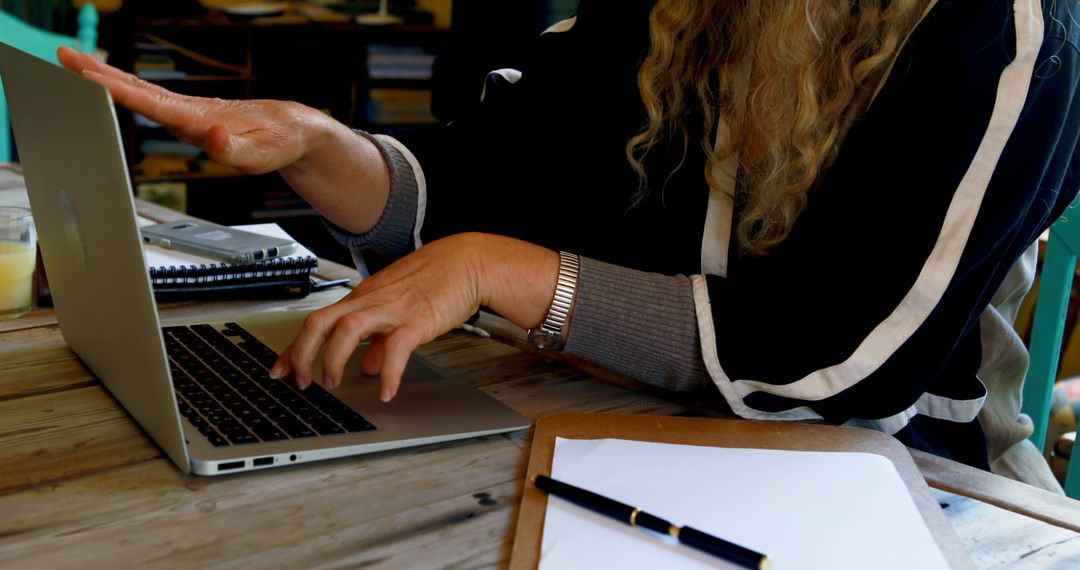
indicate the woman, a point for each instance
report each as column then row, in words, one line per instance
column 853, row 189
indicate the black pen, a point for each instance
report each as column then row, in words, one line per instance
column 636, row 517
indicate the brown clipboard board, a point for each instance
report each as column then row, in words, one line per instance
column 718, row 433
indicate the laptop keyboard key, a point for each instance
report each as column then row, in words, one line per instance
column 226, row 386
column 243, row 438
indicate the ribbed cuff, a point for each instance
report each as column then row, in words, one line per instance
column 642, row 325
column 392, row 235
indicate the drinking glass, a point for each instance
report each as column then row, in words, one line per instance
column 18, row 252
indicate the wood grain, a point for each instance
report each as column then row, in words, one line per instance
column 50, row 437
column 999, row 491
column 1000, row 538
column 339, row 513
column 38, row 361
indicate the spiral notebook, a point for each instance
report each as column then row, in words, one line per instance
column 182, row 276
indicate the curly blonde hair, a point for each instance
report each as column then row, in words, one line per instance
column 788, row 77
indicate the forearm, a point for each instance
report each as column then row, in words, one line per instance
column 392, row 235
column 341, row 174
column 642, row 325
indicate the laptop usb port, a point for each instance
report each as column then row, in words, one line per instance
column 262, row 461
column 231, row 465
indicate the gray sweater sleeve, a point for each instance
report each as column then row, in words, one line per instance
column 642, row 325
column 392, row 235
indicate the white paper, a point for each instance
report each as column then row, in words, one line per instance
column 803, row 509
column 164, row 257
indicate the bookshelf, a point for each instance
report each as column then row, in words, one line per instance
column 371, row 77
column 379, row 78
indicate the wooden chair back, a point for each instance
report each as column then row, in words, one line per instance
column 1048, row 330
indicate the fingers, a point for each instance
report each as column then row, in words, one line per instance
column 87, row 65
column 342, row 328
column 349, row 331
column 245, row 154
column 78, row 61
column 399, row 346
column 347, row 318
column 283, row 366
column 316, row 329
column 244, row 136
column 408, row 303
column 75, row 60
column 182, row 115
column 218, row 144
column 372, row 359
column 170, row 109
column 375, row 360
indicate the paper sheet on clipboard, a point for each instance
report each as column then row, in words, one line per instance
column 804, row 509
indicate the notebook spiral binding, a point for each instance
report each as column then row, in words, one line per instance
column 226, row 272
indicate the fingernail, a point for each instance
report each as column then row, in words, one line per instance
column 301, row 383
column 275, row 371
column 328, row 382
column 386, row 396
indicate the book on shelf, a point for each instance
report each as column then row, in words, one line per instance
column 399, row 62
column 182, row 276
column 387, row 106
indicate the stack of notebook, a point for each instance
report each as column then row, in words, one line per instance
column 182, row 276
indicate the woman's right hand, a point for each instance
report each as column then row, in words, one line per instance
column 254, row 136
column 337, row 171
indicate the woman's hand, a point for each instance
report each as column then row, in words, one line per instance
column 253, row 136
column 337, row 171
column 419, row 297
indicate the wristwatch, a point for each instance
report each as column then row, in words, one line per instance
column 549, row 335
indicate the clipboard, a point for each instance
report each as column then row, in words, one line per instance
column 718, row 433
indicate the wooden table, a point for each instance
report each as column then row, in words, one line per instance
column 82, row 486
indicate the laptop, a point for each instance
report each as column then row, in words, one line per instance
column 201, row 390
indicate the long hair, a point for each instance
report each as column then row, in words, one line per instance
column 787, row 76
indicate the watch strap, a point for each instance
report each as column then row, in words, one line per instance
column 549, row 334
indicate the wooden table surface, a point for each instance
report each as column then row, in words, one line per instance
column 82, row 486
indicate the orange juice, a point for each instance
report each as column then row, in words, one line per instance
column 16, row 276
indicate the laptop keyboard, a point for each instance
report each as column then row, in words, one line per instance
column 224, row 389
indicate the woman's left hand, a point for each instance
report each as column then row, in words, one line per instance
column 419, row 297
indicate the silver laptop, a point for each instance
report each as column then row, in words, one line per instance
column 209, row 421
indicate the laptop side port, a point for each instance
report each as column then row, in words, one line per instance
column 231, row 465
column 260, row 461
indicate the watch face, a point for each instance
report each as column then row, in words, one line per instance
column 542, row 339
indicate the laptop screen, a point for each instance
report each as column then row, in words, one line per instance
column 77, row 179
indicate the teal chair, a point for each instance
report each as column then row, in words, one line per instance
column 1047, row 331
column 42, row 44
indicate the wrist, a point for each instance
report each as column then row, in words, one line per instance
column 515, row 278
column 317, row 130
column 338, row 171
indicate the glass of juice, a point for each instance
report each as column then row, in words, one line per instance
column 18, row 249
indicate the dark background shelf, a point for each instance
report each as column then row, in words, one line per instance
column 323, row 65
